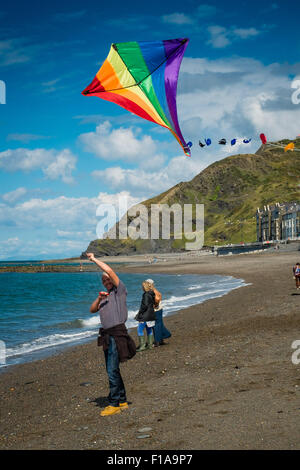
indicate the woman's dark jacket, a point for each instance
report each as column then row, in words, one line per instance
column 146, row 311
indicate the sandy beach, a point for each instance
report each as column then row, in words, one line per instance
column 225, row 380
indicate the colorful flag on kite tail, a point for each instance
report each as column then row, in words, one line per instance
column 290, row 146
column 142, row 78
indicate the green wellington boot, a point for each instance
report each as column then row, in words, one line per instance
column 150, row 344
column 142, row 344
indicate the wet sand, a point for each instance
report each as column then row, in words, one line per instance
column 225, row 380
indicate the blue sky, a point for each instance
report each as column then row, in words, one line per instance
column 62, row 154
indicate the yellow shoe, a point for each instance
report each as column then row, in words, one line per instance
column 110, row 410
column 124, row 406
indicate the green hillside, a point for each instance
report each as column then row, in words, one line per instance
column 231, row 190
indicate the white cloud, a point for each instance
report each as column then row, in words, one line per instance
column 72, row 235
column 222, row 66
column 245, row 33
column 234, row 98
column 221, row 37
column 54, row 164
column 13, row 196
column 50, row 227
column 9, row 247
column 155, row 162
column 51, row 86
column 177, row 18
column 63, row 214
column 127, row 144
column 141, row 182
column 15, row 51
column 15, row 248
column 114, row 144
column 23, row 159
column 106, row 198
column 62, row 167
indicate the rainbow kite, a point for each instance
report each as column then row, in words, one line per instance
column 142, row 78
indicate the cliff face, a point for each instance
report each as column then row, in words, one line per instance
column 231, row 190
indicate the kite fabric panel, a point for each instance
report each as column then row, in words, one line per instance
column 142, row 78
column 263, row 139
column 290, row 146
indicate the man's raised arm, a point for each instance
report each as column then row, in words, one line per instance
column 113, row 276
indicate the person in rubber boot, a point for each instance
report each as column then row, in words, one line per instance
column 160, row 330
column 146, row 318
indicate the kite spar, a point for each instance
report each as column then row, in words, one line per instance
column 142, row 78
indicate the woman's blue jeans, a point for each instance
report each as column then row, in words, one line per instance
column 117, row 393
column 141, row 327
column 160, row 331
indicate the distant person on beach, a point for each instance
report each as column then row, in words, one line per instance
column 118, row 346
column 160, row 331
column 296, row 274
column 146, row 318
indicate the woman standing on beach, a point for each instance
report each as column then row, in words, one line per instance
column 146, row 318
column 160, row 331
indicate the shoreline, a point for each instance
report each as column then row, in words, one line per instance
column 60, row 348
column 224, row 381
column 62, row 265
column 136, row 261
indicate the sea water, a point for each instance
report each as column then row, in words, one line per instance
column 42, row 313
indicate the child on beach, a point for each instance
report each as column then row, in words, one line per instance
column 146, row 318
column 296, row 274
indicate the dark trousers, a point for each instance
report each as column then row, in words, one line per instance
column 160, row 331
column 117, row 392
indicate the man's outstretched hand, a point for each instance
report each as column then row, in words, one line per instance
column 91, row 256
